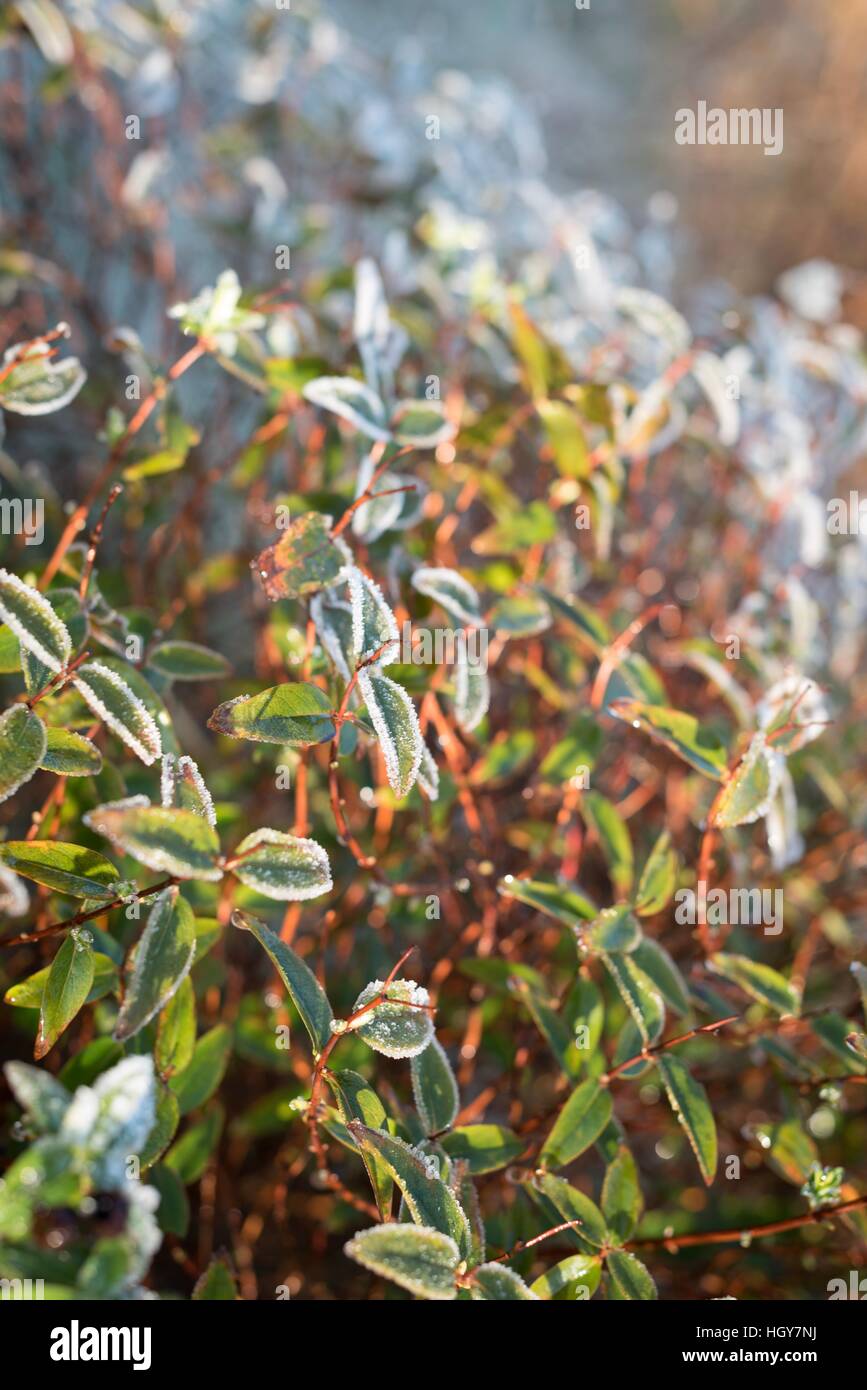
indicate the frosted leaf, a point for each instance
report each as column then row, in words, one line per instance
column 109, row 696
column 397, row 728
column 381, row 343
column 217, row 315
column 23, row 741
column 38, row 385
column 428, row 774
column 450, row 590
column 112, row 1118
column 374, row 626
column 288, row 868
column 352, row 400
column 418, row 1258
column 332, row 619
column 182, row 785
column 36, row 625
column 796, row 700
column 164, row 838
column 43, row 1097
column 785, row 842
column 710, row 373
column 472, row 691
column 656, row 318
column 373, row 518
column 752, row 787
column 402, row 1028
column 813, row 289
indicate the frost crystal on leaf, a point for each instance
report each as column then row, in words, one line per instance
column 396, row 723
column 127, row 716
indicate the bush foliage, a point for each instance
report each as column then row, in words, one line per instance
column 429, row 763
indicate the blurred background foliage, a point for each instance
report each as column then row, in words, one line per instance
column 260, row 129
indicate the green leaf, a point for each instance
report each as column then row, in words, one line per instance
column 304, row 560
column 176, row 1031
column 495, row 1283
column 679, row 732
column 472, row 692
column 34, row 622
column 216, row 1284
column 835, row 1031
column 428, row 1200
column 70, row 869
column 110, row 697
column 658, row 878
column 352, row 400
column 506, row 755
column 659, row 967
column 38, row 384
column 158, row 962
column 613, row 838
column 546, row 368
column 569, row 1204
column 22, row 748
column 422, row 424
column 576, row 1277
column 621, row 1195
column 615, row 929
column 173, row 1212
column 759, row 981
column 165, row 1126
column 748, row 793
column 595, row 631
column 789, row 1150
column 287, row 868
column 575, row 755
column 70, row 755
column 566, row 437
column 402, row 1025
column 175, row 842
column 183, row 788
column 521, row 615
column 66, row 989
column 188, row 661
column 305, row 991
column 393, row 715
column 418, row 1258
column 357, row 1100
column 294, row 714
column 639, row 994
column 44, row 1100
column 189, row 1156
column 27, row 994
column 567, row 905
column 580, row 1122
column 630, row 1279
column 198, row 1081
column 450, row 590
column 434, row 1088
column 689, row 1102
column 484, row 1148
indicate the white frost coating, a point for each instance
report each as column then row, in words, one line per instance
column 428, row 774
column 400, row 779
column 185, row 770
column 9, row 788
column 392, row 1028
column 806, row 701
column 148, row 751
column 450, row 590
column 270, row 877
column 655, row 317
column 373, row 623
column 327, row 633
column 14, row 901
column 785, row 842
column 47, row 614
column 472, row 691
column 113, row 1118
column 126, row 803
column 710, row 373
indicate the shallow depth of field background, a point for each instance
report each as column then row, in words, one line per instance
column 242, row 149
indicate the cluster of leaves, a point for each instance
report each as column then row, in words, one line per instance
column 556, row 1104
